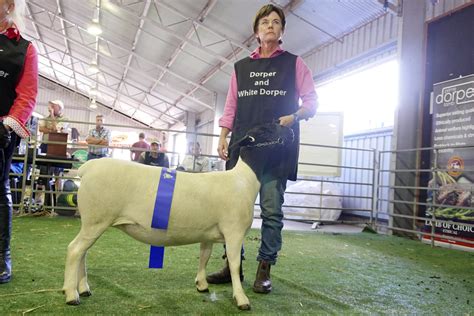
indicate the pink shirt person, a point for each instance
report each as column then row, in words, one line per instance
column 304, row 87
column 139, row 147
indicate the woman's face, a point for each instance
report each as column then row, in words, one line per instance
column 270, row 28
column 6, row 7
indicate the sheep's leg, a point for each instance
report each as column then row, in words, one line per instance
column 75, row 261
column 201, row 283
column 83, row 288
column 233, row 248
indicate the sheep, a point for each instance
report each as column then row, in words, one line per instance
column 206, row 208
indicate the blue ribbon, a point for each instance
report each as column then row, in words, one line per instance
column 157, row 253
column 161, row 213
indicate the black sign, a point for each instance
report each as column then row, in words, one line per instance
column 453, row 178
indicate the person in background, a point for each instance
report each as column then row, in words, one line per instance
column 98, row 137
column 154, row 157
column 75, row 135
column 288, row 81
column 54, row 122
column 18, row 91
column 194, row 161
column 139, row 147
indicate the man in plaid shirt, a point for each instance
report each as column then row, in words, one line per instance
column 98, row 139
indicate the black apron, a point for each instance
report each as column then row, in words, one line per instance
column 12, row 60
column 266, row 90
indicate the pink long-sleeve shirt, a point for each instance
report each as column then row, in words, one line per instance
column 304, row 89
column 26, row 88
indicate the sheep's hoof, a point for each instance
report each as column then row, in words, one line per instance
column 74, row 302
column 245, row 307
column 85, row 294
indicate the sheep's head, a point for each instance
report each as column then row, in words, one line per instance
column 263, row 146
column 271, row 134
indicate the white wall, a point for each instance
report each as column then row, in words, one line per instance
column 206, row 126
column 369, row 43
column 356, row 49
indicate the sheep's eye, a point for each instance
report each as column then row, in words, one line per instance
column 252, row 139
column 280, row 140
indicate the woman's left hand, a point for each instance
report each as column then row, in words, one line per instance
column 287, row 120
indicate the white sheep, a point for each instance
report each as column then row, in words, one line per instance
column 206, row 208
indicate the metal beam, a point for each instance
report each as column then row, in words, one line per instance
column 170, row 32
column 86, row 83
column 212, row 71
column 51, row 81
column 130, row 56
column 127, row 51
column 393, row 8
column 38, row 34
column 290, row 8
column 199, row 21
column 117, row 62
column 201, row 17
column 66, row 41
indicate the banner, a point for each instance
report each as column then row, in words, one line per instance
column 453, row 180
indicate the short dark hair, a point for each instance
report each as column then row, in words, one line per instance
column 265, row 11
column 141, row 135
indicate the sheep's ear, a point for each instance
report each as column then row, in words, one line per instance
column 246, row 140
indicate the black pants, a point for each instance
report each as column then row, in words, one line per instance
column 5, row 195
column 91, row 156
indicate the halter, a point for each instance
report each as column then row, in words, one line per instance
column 278, row 141
column 269, row 143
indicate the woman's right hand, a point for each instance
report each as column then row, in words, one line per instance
column 222, row 149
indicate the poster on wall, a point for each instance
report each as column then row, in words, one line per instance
column 453, row 178
column 324, row 129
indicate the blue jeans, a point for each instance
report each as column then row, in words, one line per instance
column 271, row 200
column 91, row 156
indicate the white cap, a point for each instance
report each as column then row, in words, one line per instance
column 58, row 102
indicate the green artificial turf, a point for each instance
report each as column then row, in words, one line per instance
column 316, row 274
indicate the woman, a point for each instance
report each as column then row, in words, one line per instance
column 193, row 161
column 18, row 90
column 265, row 87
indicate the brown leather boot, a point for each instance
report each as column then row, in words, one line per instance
column 223, row 276
column 262, row 283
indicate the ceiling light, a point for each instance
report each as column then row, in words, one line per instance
column 93, row 68
column 93, row 92
column 94, row 28
column 93, row 104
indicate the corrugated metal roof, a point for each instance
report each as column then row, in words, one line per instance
column 159, row 59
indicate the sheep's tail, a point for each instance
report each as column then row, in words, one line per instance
column 86, row 166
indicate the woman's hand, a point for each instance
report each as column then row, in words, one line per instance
column 222, row 148
column 287, row 120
